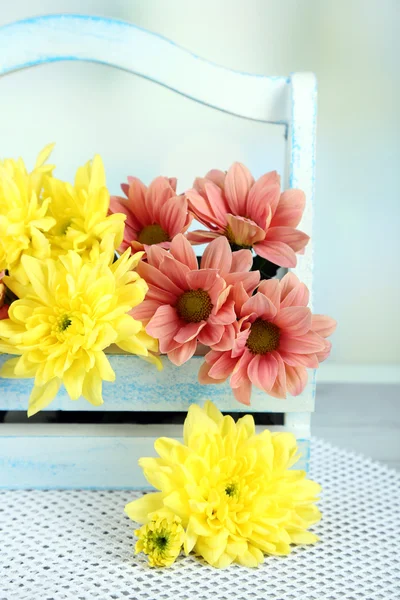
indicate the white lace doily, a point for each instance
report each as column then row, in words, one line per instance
column 64, row 545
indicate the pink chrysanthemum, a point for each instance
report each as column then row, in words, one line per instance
column 278, row 337
column 251, row 214
column 154, row 214
column 186, row 305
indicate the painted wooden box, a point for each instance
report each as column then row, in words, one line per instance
column 99, row 452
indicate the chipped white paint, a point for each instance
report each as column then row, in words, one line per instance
column 56, row 460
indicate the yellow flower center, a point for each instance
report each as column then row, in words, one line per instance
column 64, row 322
column 194, row 306
column 153, row 234
column 232, row 489
column 263, row 337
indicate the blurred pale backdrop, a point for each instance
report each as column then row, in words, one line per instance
column 140, row 128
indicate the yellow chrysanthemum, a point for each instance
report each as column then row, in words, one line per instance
column 161, row 539
column 81, row 211
column 68, row 315
column 23, row 213
column 232, row 489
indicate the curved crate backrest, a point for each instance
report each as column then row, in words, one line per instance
column 281, row 100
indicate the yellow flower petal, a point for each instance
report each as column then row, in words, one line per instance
column 42, row 396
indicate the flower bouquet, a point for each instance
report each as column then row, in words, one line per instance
column 82, row 272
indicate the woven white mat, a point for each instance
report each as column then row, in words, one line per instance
column 62, row 545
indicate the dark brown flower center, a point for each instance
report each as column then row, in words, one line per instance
column 194, row 306
column 153, row 234
column 263, row 337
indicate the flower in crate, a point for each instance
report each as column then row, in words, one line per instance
column 161, row 539
column 80, row 212
column 278, row 338
column 24, row 219
column 154, row 214
column 251, row 214
column 70, row 312
column 234, row 491
column 186, row 304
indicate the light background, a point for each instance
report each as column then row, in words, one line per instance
column 353, row 46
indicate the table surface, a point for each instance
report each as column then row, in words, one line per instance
column 64, row 545
column 364, row 418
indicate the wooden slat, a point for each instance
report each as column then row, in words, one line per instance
column 123, row 45
column 100, row 456
column 140, row 387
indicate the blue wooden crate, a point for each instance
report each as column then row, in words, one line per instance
column 102, row 456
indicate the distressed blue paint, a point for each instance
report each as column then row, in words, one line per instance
column 126, row 29
column 126, row 25
column 140, row 387
column 82, row 462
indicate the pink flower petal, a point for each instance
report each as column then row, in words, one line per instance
column 204, row 377
column 221, row 299
column 244, row 232
column 276, row 252
column 242, row 260
column 173, row 214
column 272, row 289
column 290, row 209
column 323, row 355
column 189, row 332
column 238, row 182
column 154, row 277
column 176, row 271
column 306, row 344
column 299, row 296
column 183, row 353
column 217, row 255
column 323, row 325
column 217, row 177
column 223, row 367
column 202, row 237
column 211, row 334
column 239, row 375
column 239, row 344
column 203, row 211
column 145, row 310
column 226, row 314
column 155, row 255
column 203, row 279
column 228, row 338
column 263, row 370
column 243, row 393
column 183, row 251
column 261, row 306
column 137, row 201
column 164, row 325
column 296, row 379
column 249, row 281
column 278, row 390
column 295, row 239
column 216, row 199
column 239, row 296
column 263, row 200
column 161, row 296
column 294, row 320
column 299, row 360
column 158, row 193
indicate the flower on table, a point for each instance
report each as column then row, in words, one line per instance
column 80, row 212
column 251, row 214
column 186, row 305
column 232, row 490
column 154, row 214
column 278, row 338
column 161, row 539
column 70, row 312
column 24, row 219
